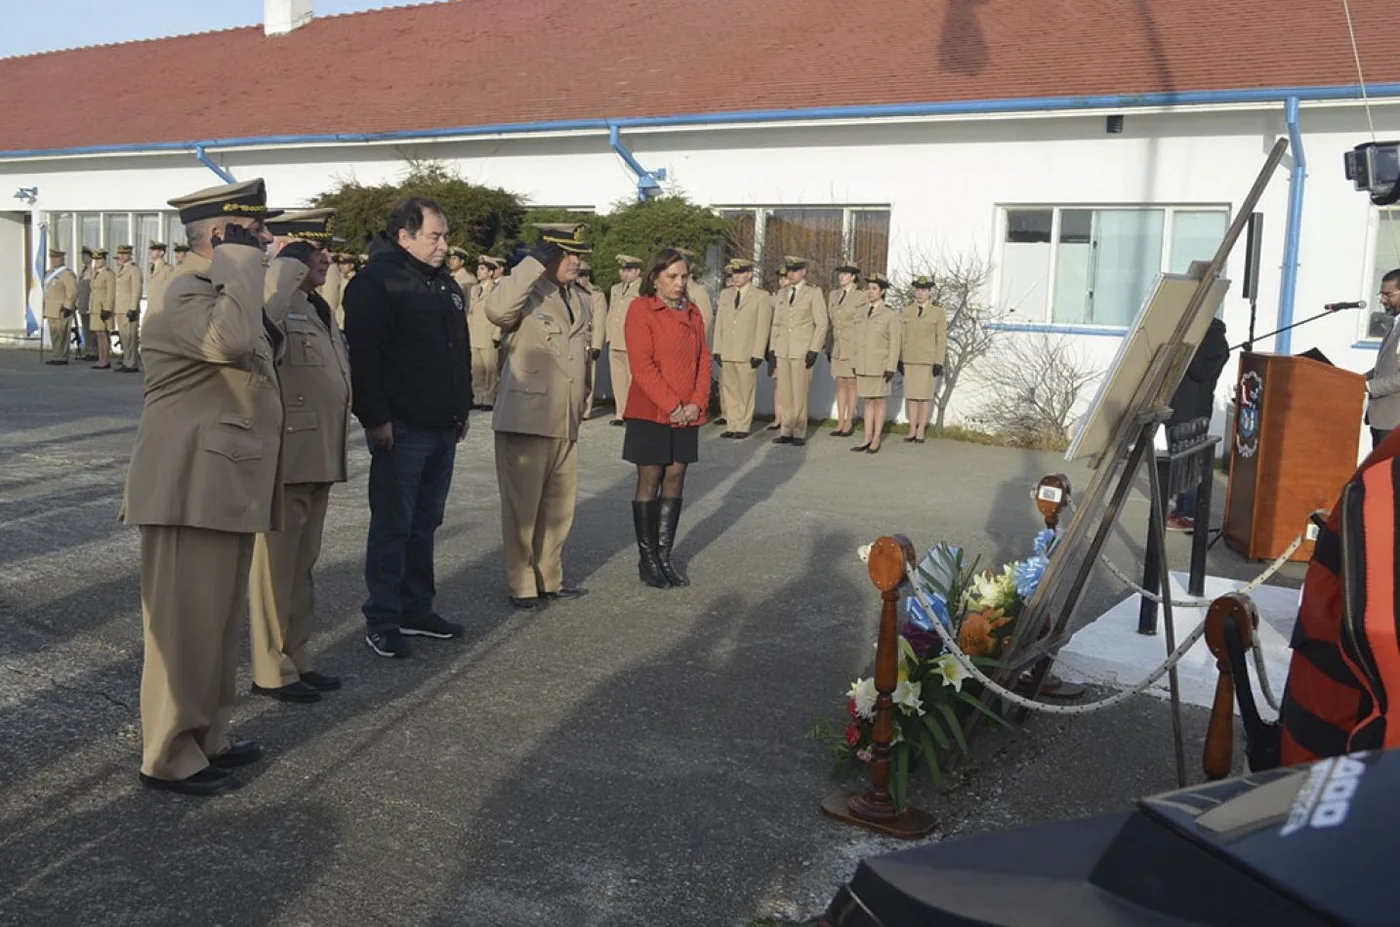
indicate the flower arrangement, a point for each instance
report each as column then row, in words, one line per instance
column 931, row 704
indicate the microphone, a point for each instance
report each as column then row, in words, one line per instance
column 1336, row 307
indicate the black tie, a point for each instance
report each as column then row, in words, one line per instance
column 738, row 295
column 792, row 296
column 564, row 295
column 870, row 311
column 842, row 300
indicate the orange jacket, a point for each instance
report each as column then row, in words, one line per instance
column 669, row 360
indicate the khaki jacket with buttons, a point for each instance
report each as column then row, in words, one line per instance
column 879, row 333
column 925, row 334
column 801, row 325
column 60, row 293
column 544, row 370
column 208, row 447
column 598, row 317
column 315, row 374
column 843, row 305
column 700, row 296
column 128, row 290
column 159, row 278
column 481, row 333
column 104, row 298
column 741, row 334
column 618, row 300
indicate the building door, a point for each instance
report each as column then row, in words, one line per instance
column 16, row 275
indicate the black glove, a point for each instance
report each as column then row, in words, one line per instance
column 828, row 358
column 718, row 359
column 811, row 358
column 298, row 251
column 754, row 362
column 133, row 315
column 105, row 315
column 889, row 375
column 516, row 256
column 546, row 252
column 900, row 367
column 596, row 353
column 66, row 313
column 938, row 370
column 234, row 234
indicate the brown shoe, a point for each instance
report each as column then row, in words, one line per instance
column 1176, row 522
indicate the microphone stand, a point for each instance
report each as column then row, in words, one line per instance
column 1250, row 343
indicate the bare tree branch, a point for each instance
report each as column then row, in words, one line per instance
column 1037, row 384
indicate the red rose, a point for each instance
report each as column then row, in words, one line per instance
column 852, row 734
column 851, row 709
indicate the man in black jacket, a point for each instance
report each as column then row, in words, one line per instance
column 410, row 367
column 1195, row 398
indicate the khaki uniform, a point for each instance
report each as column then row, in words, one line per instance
column 544, row 385
column 128, row 309
column 616, row 333
column 315, row 376
column 597, row 320
column 60, row 294
column 84, row 302
column 485, row 339
column 205, row 477
column 878, row 335
column 331, row 292
column 104, row 299
column 741, row 333
column 159, row 278
column 800, row 325
column 701, row 298
column 925, row 344
column 843, row 305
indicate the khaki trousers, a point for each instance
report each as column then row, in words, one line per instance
column 794, row 381
column 538, row 480
column 61, row 334
column 621, row 379
column 486, row 375
column 194, row 593
column 282, row 589
column 592, row 388
column 129, row 332
column 738, row 387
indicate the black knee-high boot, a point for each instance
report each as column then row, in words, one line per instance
column 645, row 520
column 670, row 518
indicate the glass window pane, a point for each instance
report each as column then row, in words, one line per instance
column 1387, row 252
column 147, row 230
column 1127, row 247
column 1072, row 261
column 61, row 237
column 870, row 250
column 1196, row 236
column 814, row 234
column 117, row 232
column 90, row 235
column 176, row 235
column 742, row 227
column 1025, row 262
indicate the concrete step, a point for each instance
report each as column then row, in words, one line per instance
column 16, row 336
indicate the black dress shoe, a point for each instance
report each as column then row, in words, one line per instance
column 799, row 442
column 918, row 440
column 566, row 592
column 783, row 439
column 529, row 605
column 321, row 682
column 618, row 422
column 874, row 450
column 239, row 753
column 726, row 434
column 862, row 449
column 298, row 693
column 910, row 440
column 719, row 421
column 738, row 435
column 57, row 363
column 211, row 780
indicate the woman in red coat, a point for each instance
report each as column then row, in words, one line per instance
column 665, row 407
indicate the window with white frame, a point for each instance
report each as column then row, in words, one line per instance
column 1095, row 265
column 1385, row 259
column 827, row 236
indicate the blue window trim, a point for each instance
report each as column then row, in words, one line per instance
column 1367, row 346
column 1100, row 330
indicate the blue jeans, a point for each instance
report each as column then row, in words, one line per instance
column 1186, row 504
column 407, row 494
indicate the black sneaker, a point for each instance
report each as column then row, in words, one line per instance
column 389, row 643
column 430, row 625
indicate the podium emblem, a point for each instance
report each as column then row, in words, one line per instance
column 1247, row 418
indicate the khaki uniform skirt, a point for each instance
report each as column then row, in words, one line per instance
column 918, row 382
column 843, row 368
column 872, row 387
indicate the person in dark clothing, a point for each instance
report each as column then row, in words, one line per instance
column 1195, row 398
column 410, row 369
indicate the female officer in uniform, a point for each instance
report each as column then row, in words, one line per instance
column 878, row 335
column 925, row 350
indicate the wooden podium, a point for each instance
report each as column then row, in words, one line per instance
column 1295, row 444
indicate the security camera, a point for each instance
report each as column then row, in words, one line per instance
column 1375, row 168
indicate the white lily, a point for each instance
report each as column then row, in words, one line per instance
column 908, row 696
column 864, row 694
column 952, row 671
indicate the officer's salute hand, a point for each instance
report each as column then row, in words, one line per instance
column 298, row 251
column 235, row 234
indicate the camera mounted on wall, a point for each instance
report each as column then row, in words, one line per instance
column 1375, row 168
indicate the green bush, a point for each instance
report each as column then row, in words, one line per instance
column 644, row 228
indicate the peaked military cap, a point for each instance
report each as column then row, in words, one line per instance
column 248, row 199
column 793, row 263
column 741, row 266
column 567, row 235
column 626, row 261
column 54, row 252
column 923, row 282
column 848, row 269
column 585, row 268
column 182, row 248
column 689, row 255
column 461, row 253
column 157, row 246
column 87, row 252
column 99, row 252
column 313, row 225
column 124, row 249
column 345, row 258
column 493, row 262
column 881, row 279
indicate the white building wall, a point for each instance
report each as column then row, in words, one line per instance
column 944, row 181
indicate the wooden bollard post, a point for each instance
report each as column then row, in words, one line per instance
column 1219, row 754
column 875, row 808
column 1052, row 497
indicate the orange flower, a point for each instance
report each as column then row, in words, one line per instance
column 977, row 637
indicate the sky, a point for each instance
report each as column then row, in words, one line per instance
column 32, row 26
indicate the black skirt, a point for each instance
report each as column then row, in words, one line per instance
column 650, row 444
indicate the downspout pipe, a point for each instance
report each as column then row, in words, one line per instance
column 1288, row 285
column 208, row 162
column 648, row 182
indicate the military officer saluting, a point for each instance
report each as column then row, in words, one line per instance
column 102, row 307
column 60, row 302
column 799, row 332
column 741, row 340
column 330, row 290
column 628, row 288
column 204, row 480
column 484, row 337
column 545, row 316
column 158, row 275
column 128, row 309
column 315, row 377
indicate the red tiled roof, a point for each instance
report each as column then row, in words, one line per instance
column 489, row 62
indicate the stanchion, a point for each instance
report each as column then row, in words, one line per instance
column 875, row 809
